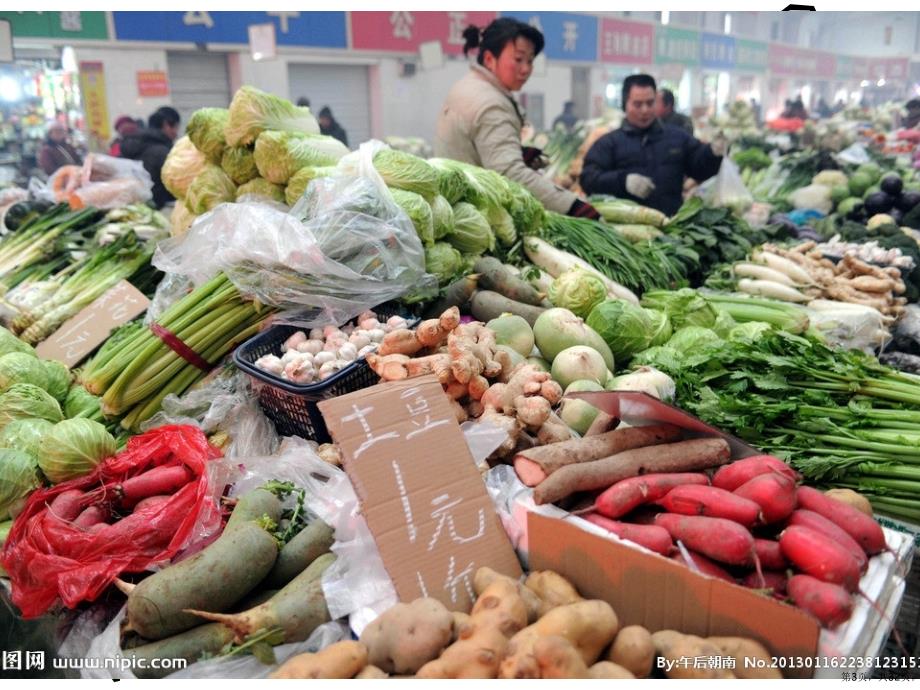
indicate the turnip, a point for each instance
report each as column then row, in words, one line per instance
column 579, row 363
column 578, row 414
column 558, row 329
column 513, row 354
column 540, row 363
column 513, row 331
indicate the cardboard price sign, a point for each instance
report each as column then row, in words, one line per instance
column 86, row 331
column 423, row 497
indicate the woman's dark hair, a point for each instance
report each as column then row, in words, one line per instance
column 498, row 34
column 640, row 80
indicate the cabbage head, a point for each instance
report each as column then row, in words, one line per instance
column 25, row 401
column 749, row 332
column 527, row 212
column 24, row 434
column 301, row 179
column 443, row 261
column 577, row 290
column 452, row 183
column 180, row 220
column 472, row 234
column 239, row 164
column 419, row 213
column 253, row 111
column 18, row 478
column 661, row 327
column 183, row 164
column 73, row 448
column 692, row 339
column 261, row 187
column 442, row 217
column 19, row 367
column 279, row 155
column 10, row 343
column 210, row 188
column 502, row 225
column 685, row 307
column 81, row 403
column 625, row 327
column 401, row 170
column 59, row 378
column 206, row 130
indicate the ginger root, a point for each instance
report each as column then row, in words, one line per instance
column 340, row 660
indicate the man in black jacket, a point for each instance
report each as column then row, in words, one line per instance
column 644, row 160
column 151, row 146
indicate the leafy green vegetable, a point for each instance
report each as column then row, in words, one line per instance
column 24, row 434
column 25, row 401
column 401, row 170
column 753, row 158
column 684, row 307
column 10, row 343
column 19, row 367
column 502, row 225
column 442, row 217
column 452, row 183
column 419, row 213
column 18, row 478
column 301, row 179
column 279, row 155
column 81, row 403
column 183, row 164
column 210, row 188
column 261, row 187
column 692, row 338
column 626, row 328
column 73, row 447
column 472, row 234
column 206, row 131
column 253, row 111
column 578, row 291
column 59, row 378
column 443, row 261
column 661, row 327
column 239, row 164
column 526, row 211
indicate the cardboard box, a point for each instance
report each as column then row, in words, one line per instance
column 423, row 497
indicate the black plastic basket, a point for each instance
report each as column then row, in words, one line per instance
column 292, row 407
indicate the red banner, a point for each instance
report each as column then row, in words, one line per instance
column 800, row 62
column 404, row 31
column 152, row 83
column 628, row 43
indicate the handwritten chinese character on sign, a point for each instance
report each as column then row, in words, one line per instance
column 71, row 21
column 455, row 580
column 360, row 415
column 569, row 36
column 442, row 514
column 456, row 27
column 283, row 18
column 402, row 24
column 198, row 19
column 406, row 505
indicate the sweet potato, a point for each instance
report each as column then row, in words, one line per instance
column 627, row 495
column 307, row 545
column 339, row 660
column 633, row 650
column 552, row 590
column 407, row 636
column 741, row 648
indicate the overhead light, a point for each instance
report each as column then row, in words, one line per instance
column 611, row 92
column 69, row 60
column 880, row 82
column 864, row 83
column 10, row 90
column 665, row 16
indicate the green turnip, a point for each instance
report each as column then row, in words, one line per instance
column 578, row 414
column 579, row 363
column 513, row 331
column 558, row 329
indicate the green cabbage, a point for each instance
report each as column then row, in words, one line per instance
column 24, row 434
column 443, row 261
column 578, row 291
column 59, row 378
column 210, row 188
column 724, row 324
column 692, row 339
column 25, row 401
column 661, row 327
column 183, row 164
column 253, row 111
column 502, row 225
column 419, row 213
column 301, row 179
column 19, row 367
column 180, row 220
column 472, row 234
column 261, row 187
column 10, row 343
column 18, row 478
column 74, row 447
column 81, row 403
column 279, row 155
column 452, row 182
column 442, row 217
column 526, row 211
column 239, row 164
column 401, row 170
column 685, row 307
column 749, row 332
column 625, row 327
column 491, row 189
column 206, row 130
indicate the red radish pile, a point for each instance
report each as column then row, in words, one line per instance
column 752, row 525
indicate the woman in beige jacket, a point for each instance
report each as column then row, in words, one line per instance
column 480, row 122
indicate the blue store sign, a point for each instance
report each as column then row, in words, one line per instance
column 318, row 29
column 568, row 36
column 717, row 51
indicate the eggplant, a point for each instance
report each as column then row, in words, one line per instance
column 907, row 201
column 879, row 202
column 896, row 215
column 892, row 185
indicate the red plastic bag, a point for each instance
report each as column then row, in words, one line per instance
column 48, row 558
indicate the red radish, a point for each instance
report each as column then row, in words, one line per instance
column 651, row 537
column 772, row 580
column 770, row 554
column 818, row 556
column 165, row 479
column 98, row 527
column 819, row 523
column 703, row 565
column 629, row 494
column 720, row 539
column 66, row 505
column 730, row 477
column 89, row 517
column 831, row 604
column 712, row 502
column 773, row 492
column 151, row 501
column 866, row 531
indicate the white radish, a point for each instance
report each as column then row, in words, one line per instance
column 746, row 270
column 773, row 290
column 294, row 341
column 787, row 266
column 556, row 262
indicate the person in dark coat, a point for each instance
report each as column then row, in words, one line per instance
column 330, row 127
column 644, row 160
column 56, row 151
column 568, row 119
column 668, row 116
column 150, row 146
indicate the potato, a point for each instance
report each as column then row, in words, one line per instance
column 608, row 669
column 851, row 498
column 682, row 653
column 460, row 619
column 557, row 658
column 553, row 590
column 406, row 637
column 372, row 673
column 486, row 576
column 339, row 660
column 740, row 648
column 634, row 650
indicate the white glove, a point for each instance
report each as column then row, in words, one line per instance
column 639, row 185
column 719, row 146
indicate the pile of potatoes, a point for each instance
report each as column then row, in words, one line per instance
column 541, row 628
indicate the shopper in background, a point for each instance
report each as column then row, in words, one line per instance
column 755, row 108
column 150, row 146
column 568, row 119
column 124, row 126
column 480, row 122
column 644, row 160
column 824, row 110
column 798, row 109
column 668, row 116
column 838, row 106
column 912, row 119
column 329, row 126
column 56, row 151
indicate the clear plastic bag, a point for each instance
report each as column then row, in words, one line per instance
column 728, row 189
